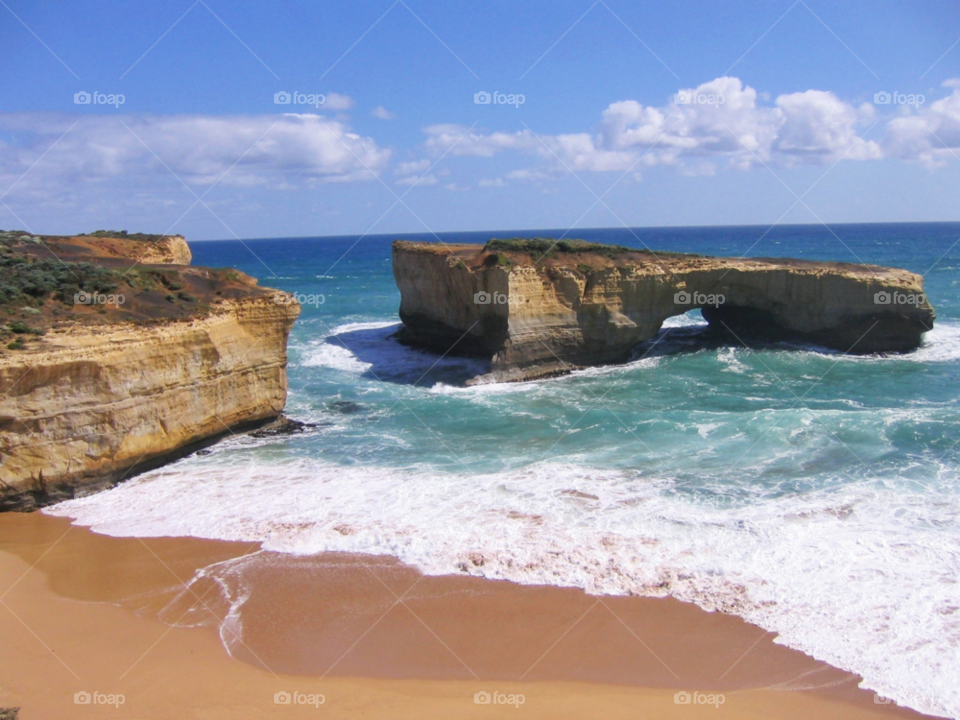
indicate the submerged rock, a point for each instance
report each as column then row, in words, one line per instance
column 283, row 426
column 346, row 407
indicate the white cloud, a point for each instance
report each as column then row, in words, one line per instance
column 526, row 174
column 382, row 113
column 719, row 124
column 818, row 124
column 929, row 135
column 336, row 101
column 721, row 119
column 418, row 181
column 412, row 167
column 580, row 152
column 273, row 150
column 718, row 121
column 460, row 140
column 412, row 172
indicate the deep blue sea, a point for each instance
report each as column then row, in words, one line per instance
column 812, row 493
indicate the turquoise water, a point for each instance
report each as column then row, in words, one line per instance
column 649, row 415
column 810, row 492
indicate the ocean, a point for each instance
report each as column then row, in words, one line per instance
column 812, row 493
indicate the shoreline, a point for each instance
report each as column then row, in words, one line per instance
column 369, row 634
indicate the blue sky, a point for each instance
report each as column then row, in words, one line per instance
column 780, row 122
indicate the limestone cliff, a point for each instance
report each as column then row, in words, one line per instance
column 91, row 394
column 170, row 249
column 145, row 249
column 536, row 308
column 94, row 406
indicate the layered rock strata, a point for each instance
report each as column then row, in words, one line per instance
column 105, row 393
column 535, row 309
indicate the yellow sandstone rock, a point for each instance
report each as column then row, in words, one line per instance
column 108, row 391
column 90, row 406
column 534, row 314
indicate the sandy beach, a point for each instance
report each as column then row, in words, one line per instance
column 368, row 636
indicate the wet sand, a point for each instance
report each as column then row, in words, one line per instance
column 82, row 612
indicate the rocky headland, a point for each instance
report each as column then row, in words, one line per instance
column 117, row 356
column 537, row 307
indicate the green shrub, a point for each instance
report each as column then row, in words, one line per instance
column 547, row 247
column 541, row 246
column 144, row 237
column 19, row 327
column 27, row 281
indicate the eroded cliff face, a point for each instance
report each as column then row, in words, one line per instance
column 91, row 407
column 177, row 357
column 170, row 250
column 535, row 315
column 146, row 250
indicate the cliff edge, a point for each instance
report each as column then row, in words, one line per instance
column 111, row 365
column 538, row 307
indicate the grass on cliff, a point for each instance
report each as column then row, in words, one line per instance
column 41, row 277
column 12, row 237
column 567, row 252
column 8, row 237
column 27, row 281
column 123, row 234
column 31, row 281
column 40, row 290
column 548, row 246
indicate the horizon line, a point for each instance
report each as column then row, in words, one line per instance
column 586, row 229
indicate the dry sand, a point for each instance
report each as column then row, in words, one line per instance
column 375, row 638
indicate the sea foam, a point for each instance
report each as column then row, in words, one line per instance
column 862, row 577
